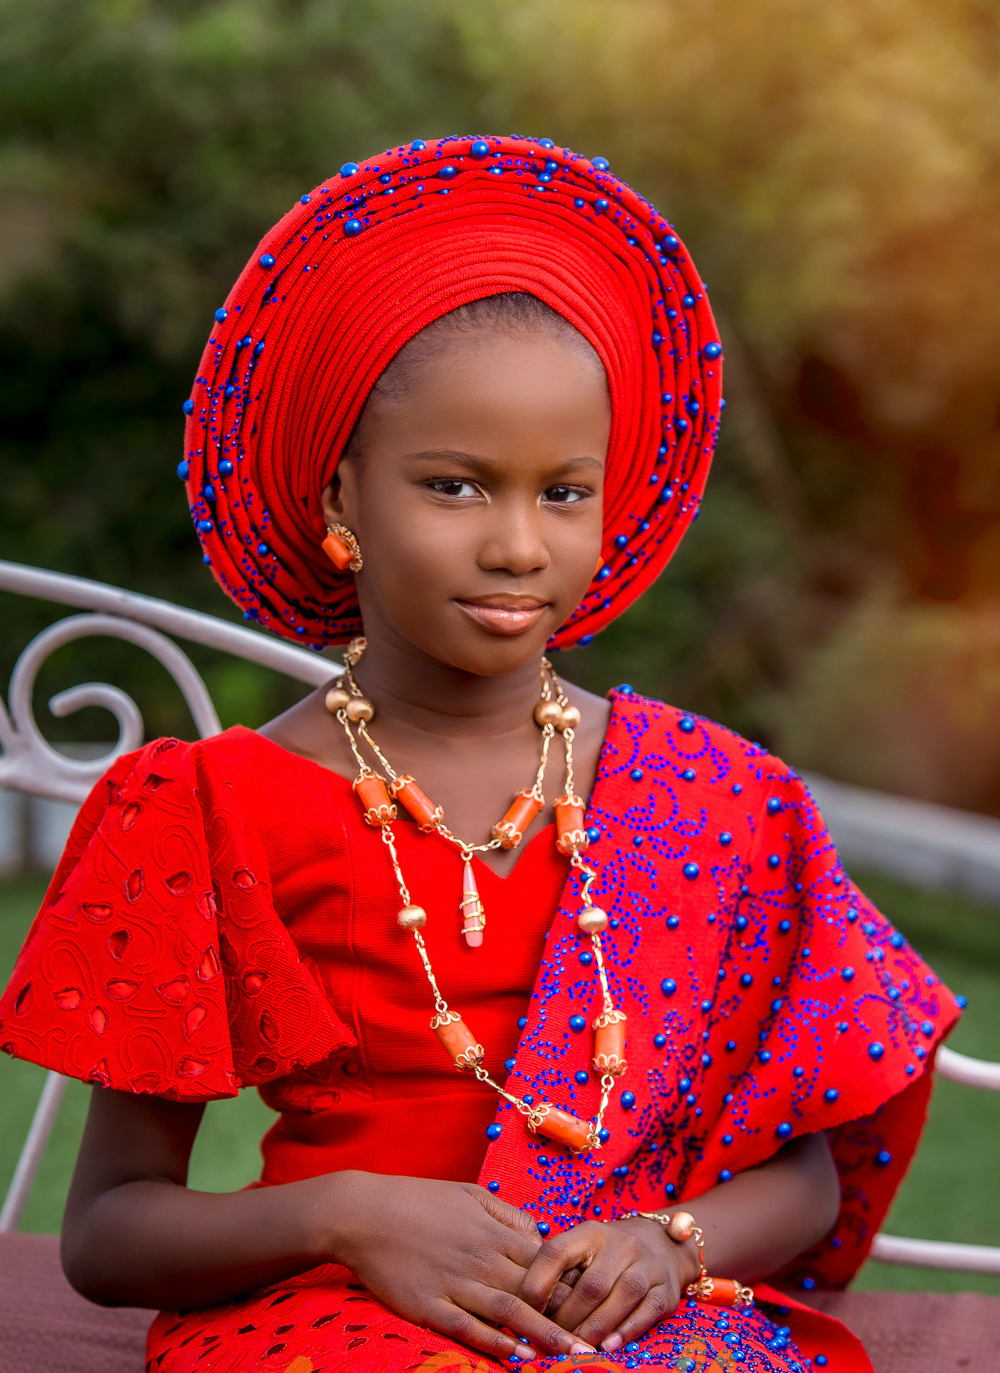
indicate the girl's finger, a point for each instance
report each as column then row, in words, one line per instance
column 573, row 1249
column 531, row 1327
column 658, row 1303
column 465, row 1329
column 608, row 1297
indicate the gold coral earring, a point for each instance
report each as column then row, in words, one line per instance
column 342, row 548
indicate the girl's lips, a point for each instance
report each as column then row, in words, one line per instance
column 505, row 617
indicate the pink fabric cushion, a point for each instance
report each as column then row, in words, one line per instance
column 920, row 1332
column 45, row 1327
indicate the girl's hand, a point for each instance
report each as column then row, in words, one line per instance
column 449, row 1256
column 632, row 1277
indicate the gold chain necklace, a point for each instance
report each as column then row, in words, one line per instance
column 378, row 795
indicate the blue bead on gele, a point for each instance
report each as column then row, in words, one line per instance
column 670, row 243
column 225, row 467
column 773, row 860
column 230, row 388
column 262, row 550
column 765, row 1055
column 627, row 1100
column 593, row 834
column 348, row 169
column 737, row 788
column 600, row 205
column 730, row 1046
column 691, row 871
column 668, row 986
column 712, row 351
column 961, row 1002
column 205, row 526
column 926, row 1028
column 847, row 974
column 636, row 774
column 798, row 1072
column 352, row 227
column 182, row 470
column 188, row 407
column 883, row 1158
column 221, row 315
column 604, row 1136
column 545, row 177
column 418, row 145
column 725, row 1175
column 784, row 1130
column 600, row 164
column 784, row 926
column 725, row 839
column 741, row 922
column 577, row 1023
column 687, row 301
column 258, row 348
column 543, row 1228
column 659, row 1041
column 876, row 1051
column 494, row 1187
column 585, row 957
column 746, row 980
column 774, row 805
column 637, row 840
column 681, row 424
column 266, row 260
column 304, row 199
column 509, row 1063
column 686, row 724
column 614, row 922
column 657, row 338
column 688, row 775
column 625, row 689
column 522, row 1022
column 546, row 143
column 494, row 1131
column 447, row 173
column 621, row 540
column 582, row 1077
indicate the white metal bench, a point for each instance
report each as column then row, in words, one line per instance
column 28, row 763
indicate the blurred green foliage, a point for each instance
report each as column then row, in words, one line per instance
column 834, row 170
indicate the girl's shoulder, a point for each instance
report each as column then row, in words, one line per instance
column 707, row 763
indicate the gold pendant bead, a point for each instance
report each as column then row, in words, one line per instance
column 569, row 718
column 548, row 713
column 681, row 1226
column 336, row 699
column 360, row 708
column 592, row 920
column 412, row 918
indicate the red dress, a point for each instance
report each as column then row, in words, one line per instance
column 222, row 917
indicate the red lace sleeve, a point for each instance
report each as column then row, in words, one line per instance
column 158, row 963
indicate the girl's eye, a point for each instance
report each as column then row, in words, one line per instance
column 564, row 495
column 453, row 487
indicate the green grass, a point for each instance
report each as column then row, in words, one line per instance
column 950, row 1192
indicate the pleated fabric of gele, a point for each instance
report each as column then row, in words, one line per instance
column 365, row 261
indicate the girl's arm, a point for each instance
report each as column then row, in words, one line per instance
column 634, row 1274
column 441, row 1254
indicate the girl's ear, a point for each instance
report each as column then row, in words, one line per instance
column 335, row 497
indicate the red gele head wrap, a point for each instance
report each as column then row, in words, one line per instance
column 364, row 262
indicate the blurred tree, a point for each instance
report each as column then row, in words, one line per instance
column 834, row 171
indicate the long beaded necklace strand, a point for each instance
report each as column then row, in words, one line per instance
column 378, row 796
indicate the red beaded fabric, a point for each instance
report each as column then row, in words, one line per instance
column 364, row 262
column 223, row 916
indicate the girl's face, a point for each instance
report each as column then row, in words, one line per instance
column 476, row 498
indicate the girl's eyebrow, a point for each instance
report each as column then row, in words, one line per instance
column 484, row 464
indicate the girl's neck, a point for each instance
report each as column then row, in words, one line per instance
column 413, row 692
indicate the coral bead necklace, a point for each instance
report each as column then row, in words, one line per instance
column 378, row 795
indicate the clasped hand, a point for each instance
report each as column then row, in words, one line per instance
column 453, row 1257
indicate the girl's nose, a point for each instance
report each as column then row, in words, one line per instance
column 514, row 542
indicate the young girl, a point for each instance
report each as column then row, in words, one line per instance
column 463, row 400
